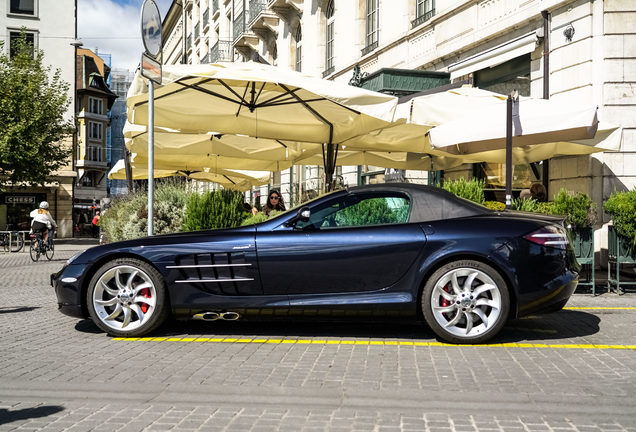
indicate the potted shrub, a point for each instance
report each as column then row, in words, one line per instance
column 621, row 206
column 580, row 216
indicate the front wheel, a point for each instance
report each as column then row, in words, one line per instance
column 466, row 302
column 127, row 298
column 34, row 250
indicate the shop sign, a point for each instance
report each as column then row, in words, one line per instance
column 20, row 199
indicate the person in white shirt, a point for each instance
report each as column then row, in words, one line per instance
column 43, row 221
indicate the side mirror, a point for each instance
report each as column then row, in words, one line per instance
column 302, row 215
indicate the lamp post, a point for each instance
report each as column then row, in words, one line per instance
column 76, row 43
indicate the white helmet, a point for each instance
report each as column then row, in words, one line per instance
column 44, row 205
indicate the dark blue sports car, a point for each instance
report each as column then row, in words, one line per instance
column 379, row 252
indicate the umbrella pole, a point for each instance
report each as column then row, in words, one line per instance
column 329, row 160
column 151, row 153
column 509, row 103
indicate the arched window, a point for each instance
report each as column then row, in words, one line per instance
column 299, row 49
column 330, row 15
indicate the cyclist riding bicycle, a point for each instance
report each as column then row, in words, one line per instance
column 43, row 222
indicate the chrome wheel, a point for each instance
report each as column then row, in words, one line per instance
column 124, row 298
column 466, row 302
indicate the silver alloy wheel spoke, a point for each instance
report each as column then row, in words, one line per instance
column 448, row 296
column 445, row 309
column 130, row 279
column 111, row 302
column 147, row 300
column 127, row 316
column 455, row 320
column 456, row 289
column 140, row 287
column 136, row 309
column 109, row 290
column 118, row 279
column 115, row 313
column 482, row 316
column 469, row 281
column 483, row 288
column 469, row 322
column 487, row 302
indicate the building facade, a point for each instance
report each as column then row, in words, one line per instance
column 578, row 51
column 51, row 27
column 94, row 101
column 119, row 84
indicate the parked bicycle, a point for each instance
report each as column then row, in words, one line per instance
column 11, row 241
column 40, row 247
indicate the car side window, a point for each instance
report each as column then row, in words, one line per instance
column 359, row 210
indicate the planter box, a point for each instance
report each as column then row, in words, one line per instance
column 619, row 251
column 583, row 242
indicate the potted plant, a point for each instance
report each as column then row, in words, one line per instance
column 580, row 216
column 621, row 206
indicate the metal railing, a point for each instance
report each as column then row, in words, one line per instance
column 366, row 50
column 421, row 19
column 221, row 51
column 257, row 7
column 9, row 237
column 239, row 26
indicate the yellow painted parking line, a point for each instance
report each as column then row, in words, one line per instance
column 599, row 308
column 376, row 343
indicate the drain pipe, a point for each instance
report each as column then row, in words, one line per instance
column 546, row 80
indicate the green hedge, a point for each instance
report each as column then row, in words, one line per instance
column 621, row 206
column 472, row 189
column 212, row 210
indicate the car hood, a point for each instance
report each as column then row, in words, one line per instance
column 158, row 240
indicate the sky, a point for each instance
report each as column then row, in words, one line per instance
column 113, row 27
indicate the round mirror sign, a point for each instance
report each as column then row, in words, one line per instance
column 151, row 27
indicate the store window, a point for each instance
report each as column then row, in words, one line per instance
column 523, row 176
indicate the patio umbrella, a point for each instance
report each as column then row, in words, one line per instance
column 240, row 180
column 607, row 138
column 215, row 150
column 263, row 102
column 538, row 121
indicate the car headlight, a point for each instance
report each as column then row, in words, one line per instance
column 74, row 257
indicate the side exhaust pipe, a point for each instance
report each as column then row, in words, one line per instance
column 213, row 316
column 206, row 316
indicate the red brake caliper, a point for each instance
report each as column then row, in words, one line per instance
column 446, row 302
column 146, row 293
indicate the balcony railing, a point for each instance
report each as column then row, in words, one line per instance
column 421, row 19
column 197, row 28
column 328, row 71
column 368, row 49
column 189, row 42
column 221, row 51
column 215, row 6
column 239, row 25
column 206, row 17
column 257, row 7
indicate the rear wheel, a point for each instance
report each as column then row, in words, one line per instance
column 17, row 242
column 466, row 302
column 128, row 298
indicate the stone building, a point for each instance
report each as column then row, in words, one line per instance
column 578, row 51
column 51, row 27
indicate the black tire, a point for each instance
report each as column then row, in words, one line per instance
column 50, row 251
column 17, row 242
column 119, row 292
column 466, row 314
column 33, row 251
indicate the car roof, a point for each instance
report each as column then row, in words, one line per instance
column 429, row 203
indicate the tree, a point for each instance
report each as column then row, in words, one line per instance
column 33, row 101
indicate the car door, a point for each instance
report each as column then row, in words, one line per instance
column 353, row 243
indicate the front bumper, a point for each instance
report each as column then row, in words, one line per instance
column 68, row 290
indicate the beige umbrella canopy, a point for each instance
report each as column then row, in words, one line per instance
column 607, row 138
column 262, row 102
column 240, row 180
column 538, row 121
column 214, row 150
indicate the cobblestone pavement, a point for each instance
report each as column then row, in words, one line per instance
column 570, row 371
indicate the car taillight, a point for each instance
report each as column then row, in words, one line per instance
column 552, row 236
